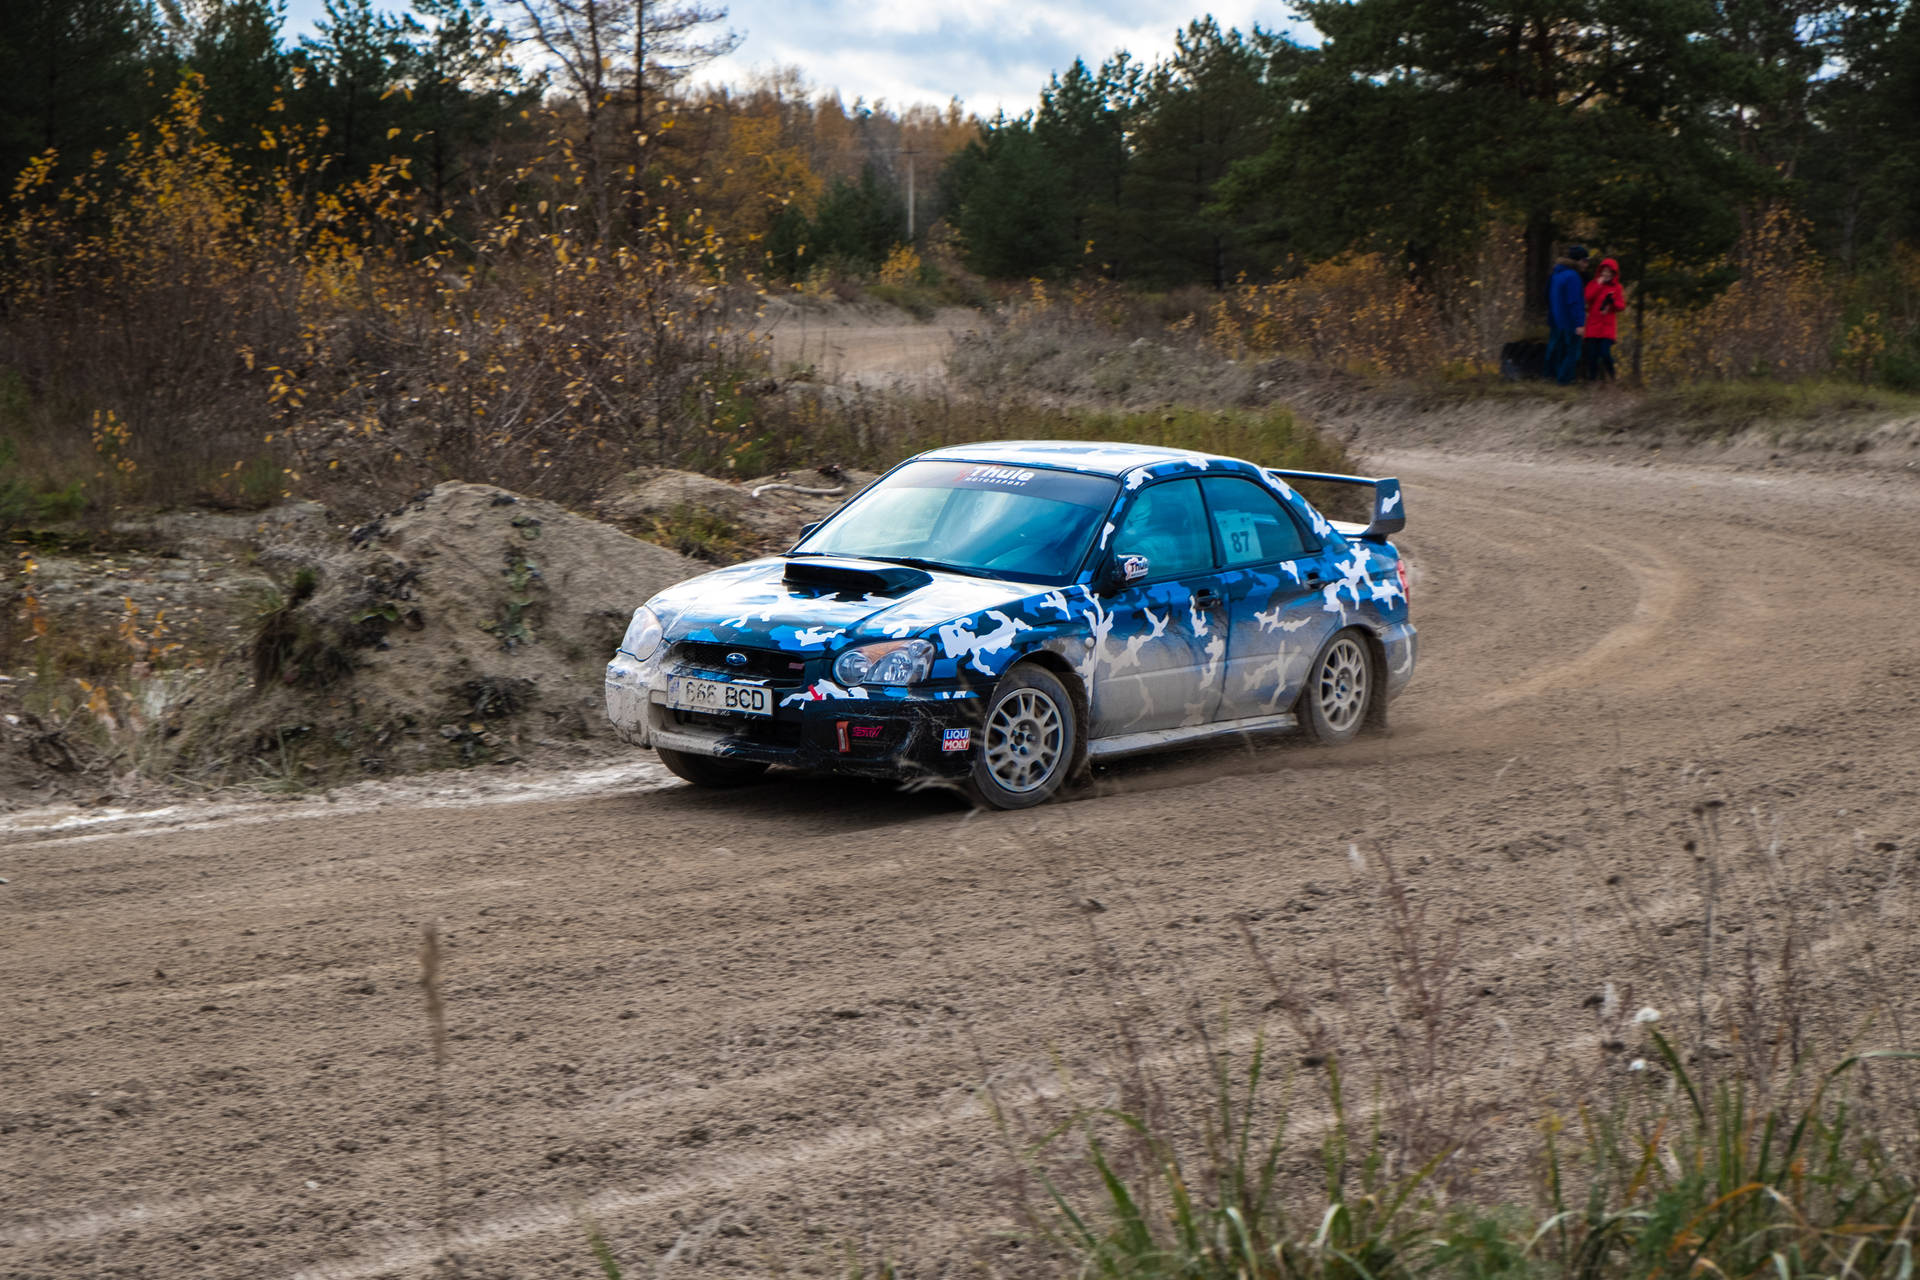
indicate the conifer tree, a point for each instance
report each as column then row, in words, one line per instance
column 1009, row 202
column 1419, row 122
column 75, row 77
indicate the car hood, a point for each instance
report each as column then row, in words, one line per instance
column 756, row 604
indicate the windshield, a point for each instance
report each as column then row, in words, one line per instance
column 1027, row 523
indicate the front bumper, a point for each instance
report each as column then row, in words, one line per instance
column 902, row 733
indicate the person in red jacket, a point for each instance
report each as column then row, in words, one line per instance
column 1605, row 301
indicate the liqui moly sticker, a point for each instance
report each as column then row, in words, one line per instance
column 956, row 739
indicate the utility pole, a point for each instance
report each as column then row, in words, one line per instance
column 909, row 197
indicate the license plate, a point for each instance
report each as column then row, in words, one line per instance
column 720, row 697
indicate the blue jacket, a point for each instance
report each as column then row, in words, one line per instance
column 1566, row 298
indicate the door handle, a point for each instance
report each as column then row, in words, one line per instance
column 1314, row 579
column 1207, row 598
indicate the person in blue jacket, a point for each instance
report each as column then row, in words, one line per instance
column 1566, row 314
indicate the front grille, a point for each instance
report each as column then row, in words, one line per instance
column 771, row 665
column 764, row 730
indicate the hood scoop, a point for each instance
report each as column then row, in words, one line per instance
column 855, row 577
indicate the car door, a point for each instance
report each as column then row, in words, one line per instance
column 1273, row 573
column 1160, row 649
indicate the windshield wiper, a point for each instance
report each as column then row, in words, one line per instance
column 911, row 562
column 916, row 562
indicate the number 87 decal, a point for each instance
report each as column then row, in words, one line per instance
column 1237, row 532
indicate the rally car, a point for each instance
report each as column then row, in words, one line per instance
column 996, row 616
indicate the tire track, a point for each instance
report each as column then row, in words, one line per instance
column 769, row 968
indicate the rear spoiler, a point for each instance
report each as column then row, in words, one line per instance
column 1389, row 512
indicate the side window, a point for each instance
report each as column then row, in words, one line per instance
column 1167, row 524
column 1252, row 525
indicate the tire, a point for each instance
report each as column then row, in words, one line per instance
column 1340, row 691
column 710, row 771
column 1029, row 739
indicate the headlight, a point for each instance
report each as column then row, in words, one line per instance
column 895, row 662
column 643, row 634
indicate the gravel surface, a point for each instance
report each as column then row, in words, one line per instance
column 744, row 1031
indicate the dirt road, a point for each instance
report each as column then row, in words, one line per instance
column 870, row 345
column 744, row 1031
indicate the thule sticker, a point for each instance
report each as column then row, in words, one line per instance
column 956, row 739
column 1010, row 476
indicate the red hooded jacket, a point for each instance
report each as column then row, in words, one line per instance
column 1605, row 302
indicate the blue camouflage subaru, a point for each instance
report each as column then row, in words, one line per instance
column 995, row 616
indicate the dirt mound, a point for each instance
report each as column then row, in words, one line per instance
column 720, row 521
column 469, row 627
column 662, row 492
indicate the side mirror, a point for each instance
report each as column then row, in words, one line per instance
column 806, row 530
column 1125, row 571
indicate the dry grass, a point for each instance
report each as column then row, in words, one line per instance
column 875, row 430
column 1729, row 1120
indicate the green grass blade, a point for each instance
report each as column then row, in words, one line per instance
column 603, row 1254
column 1135, row 1235
column 1243, row 1238
column 1680, row 1072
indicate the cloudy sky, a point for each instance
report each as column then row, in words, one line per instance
column 988, row 53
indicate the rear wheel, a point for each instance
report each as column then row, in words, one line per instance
column 710, row 771
column 1334, row 703
column 1027, row 741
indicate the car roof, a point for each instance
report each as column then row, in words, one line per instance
column 1097, row 457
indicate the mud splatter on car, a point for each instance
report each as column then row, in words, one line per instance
column 995, row 616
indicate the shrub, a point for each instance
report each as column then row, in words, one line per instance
column 1777, row 320
column 349, row 341
column 1359, row 313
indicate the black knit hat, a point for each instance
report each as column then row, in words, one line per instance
column 1578, row 252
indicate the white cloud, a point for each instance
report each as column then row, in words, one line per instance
column 991, row 54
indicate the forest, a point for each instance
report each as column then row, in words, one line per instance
column 514, row 236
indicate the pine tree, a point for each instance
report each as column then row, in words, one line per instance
column 1201, row 112
column 353, row 70
column 1009, row 202
column 1082, row 124
column 76, row 77
column 1420, row 122
column 234, row 46
column 857, row 222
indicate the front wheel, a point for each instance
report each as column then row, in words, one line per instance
column 1334, row 703
column 710, row 771
column 1027, row 741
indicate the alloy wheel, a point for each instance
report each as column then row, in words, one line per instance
column 1342, row 688
column 1026, row 737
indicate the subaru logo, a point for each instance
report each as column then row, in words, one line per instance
column 736, row 659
